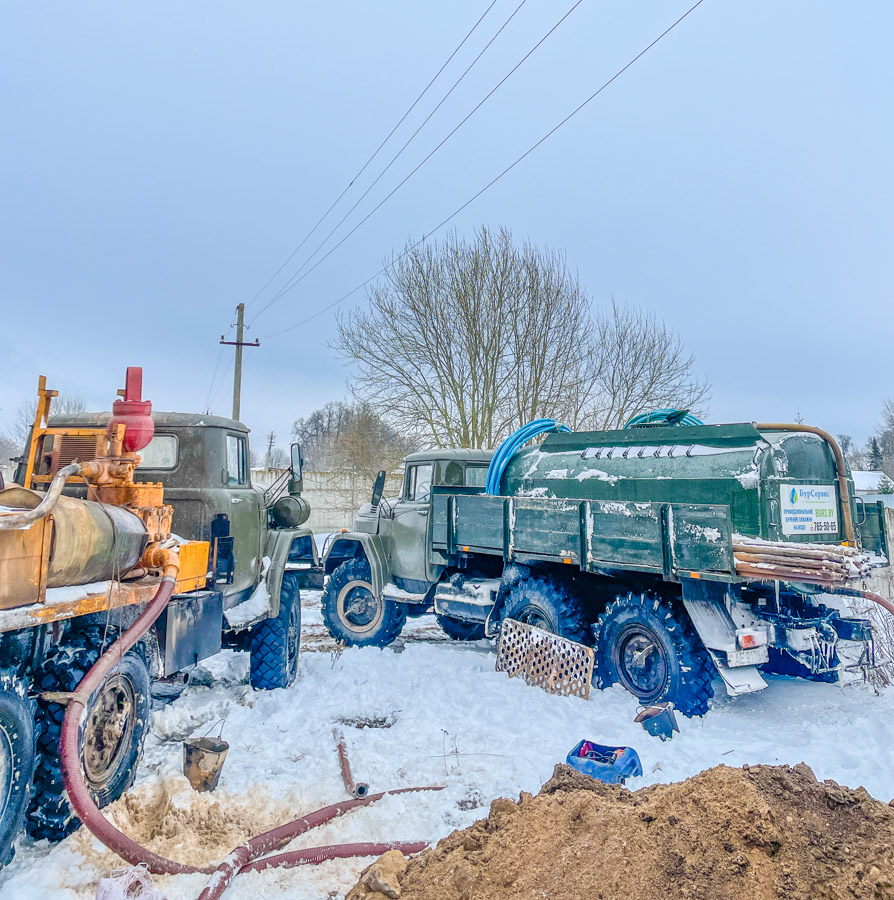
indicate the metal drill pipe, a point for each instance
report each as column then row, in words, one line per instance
column 358, row 789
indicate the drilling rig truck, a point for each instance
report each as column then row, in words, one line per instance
column 106, row 507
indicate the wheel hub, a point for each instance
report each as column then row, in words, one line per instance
column 642, row 663
column 358, row 608
column 108, row 730
column 531, row 615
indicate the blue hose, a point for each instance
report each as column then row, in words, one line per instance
column 511, row 446
column 664, row 417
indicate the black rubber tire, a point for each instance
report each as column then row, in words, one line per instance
column 457, row 630
column 682, row 670
column 547, row 604
column 16, row 768
column 387, row 617
column 49, row 814
column 275, row 643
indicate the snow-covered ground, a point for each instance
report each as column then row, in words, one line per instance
column 425, row 711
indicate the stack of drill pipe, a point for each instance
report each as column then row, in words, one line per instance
column 828, row 565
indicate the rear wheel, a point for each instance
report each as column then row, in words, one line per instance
column 651, row 649
column 275, row 642
column 352, row 612
column 457, row 630
column 548, row 604
column 16, row 767
column 110, row 738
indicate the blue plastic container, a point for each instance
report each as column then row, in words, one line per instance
column 609, row 764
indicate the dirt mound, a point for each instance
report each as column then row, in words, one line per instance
column 756, row 833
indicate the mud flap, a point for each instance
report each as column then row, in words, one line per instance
column 739, row 679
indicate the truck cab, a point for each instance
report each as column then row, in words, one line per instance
column 385, row 568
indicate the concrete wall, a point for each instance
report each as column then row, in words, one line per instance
column 334, row 497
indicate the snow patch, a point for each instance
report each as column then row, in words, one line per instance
column 597, row 473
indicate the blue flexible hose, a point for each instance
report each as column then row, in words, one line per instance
column 660, row 417
column 511, row 446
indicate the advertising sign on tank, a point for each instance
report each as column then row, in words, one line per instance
column 808, row 508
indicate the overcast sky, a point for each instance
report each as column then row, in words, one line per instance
column 160, row 161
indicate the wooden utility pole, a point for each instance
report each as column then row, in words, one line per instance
column 239, row 344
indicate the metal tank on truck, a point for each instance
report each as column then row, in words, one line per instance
column 678, row 550
column 116, row 515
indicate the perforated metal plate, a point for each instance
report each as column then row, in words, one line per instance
column 545, row 660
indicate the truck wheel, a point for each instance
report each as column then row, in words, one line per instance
column 275, row 642
column 16, row 768
column 352, row 612
column 547, row 604
column 457, row 630
column 652, row 650
column 110, row 738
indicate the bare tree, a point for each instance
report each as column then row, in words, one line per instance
column 465, row 341
column 345, row 446
column 638, row 365
column 320, row 432
column 24, row 418
column 885, row 435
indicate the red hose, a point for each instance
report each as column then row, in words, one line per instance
column 315, row 855
column 878, row 598
column 269, row 841
column 130, row 850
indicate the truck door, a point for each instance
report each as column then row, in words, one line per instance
column 409, row 527
column 244, row 509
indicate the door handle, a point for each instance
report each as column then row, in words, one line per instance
column 423, row 511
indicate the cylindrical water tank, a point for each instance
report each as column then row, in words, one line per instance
column 91, row 541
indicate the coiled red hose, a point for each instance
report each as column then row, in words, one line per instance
column 130, row 850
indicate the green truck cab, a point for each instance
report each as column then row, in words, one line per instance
column 386, row 569
column 679, row 552
column 261, row 551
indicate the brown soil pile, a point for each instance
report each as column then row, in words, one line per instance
column 756, row 833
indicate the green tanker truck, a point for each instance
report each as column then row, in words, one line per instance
column 678, row 551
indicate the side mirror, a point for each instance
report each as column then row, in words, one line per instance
column 296, row 476
column 297, row 461
column 378, row 487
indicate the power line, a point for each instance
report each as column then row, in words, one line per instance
column 493, row 181
column 363, row 168
column 295, row 280
column 292, row 280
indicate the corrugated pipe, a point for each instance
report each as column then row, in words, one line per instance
column 45, row 507
column 847, row 515
column 224, row 872
column 316, row 855
column 120, row 843
column 883, row 602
